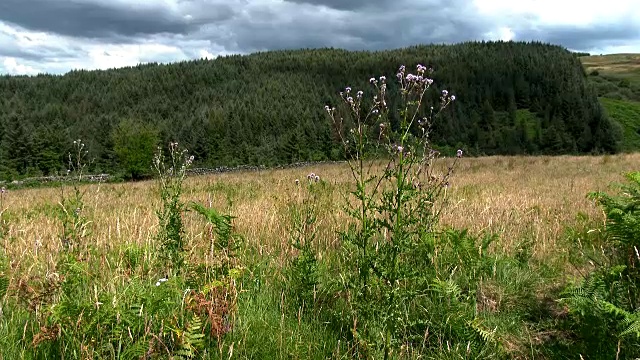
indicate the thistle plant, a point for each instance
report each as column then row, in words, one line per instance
column 4, row 226
column 303, row 272
column 397, row 203
column 74, row 222
column 171, row 174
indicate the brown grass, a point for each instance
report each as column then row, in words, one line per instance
column 613, row 64
column 531, row 198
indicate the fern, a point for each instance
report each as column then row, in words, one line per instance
column 191, row 340
column 4, row 278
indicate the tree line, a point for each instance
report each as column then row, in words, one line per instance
column 268, row 108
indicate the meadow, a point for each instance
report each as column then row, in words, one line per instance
column 536, row 206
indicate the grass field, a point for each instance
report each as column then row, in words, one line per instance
column 534, row 204
column 621, row 65
column 627, row 113
column 513, row 196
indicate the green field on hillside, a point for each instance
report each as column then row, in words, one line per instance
column 627, row 113
column 616, row 78
column 625, row 66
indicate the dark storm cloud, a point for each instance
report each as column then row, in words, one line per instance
column 584, row 38
column 403, row 23
column 343, row 4
column 92, row 32
column 103, row 19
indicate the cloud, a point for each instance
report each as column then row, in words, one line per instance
column 112, row 19
column 12, row 67
column 60, row 35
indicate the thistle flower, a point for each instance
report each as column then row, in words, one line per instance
column 453, row 98
column 383, row 78
column 459, row 153
column 372, row 80
column 347, row 89
column 297, row 182
column 317, row 178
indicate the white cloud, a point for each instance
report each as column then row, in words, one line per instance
column 176, row 30
column 561, row 12
column 503, row 33
column 11, row 66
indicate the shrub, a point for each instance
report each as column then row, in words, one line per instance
column 605, row 305
column 388, row 283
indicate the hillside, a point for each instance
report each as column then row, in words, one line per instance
column 267, row 108
column 627, row 113
column 616, row 79
column 615, row 76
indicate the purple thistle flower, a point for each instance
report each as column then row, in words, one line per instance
column 459, row 153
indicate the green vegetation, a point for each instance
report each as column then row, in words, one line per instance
column 261, row 109
column 627, row 113
column 616, row 79
column 384, row 280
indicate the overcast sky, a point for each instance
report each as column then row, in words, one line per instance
column 55, row 36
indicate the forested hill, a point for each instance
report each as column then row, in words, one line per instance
column 267, row 108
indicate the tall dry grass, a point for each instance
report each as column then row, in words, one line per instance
column 520, row 198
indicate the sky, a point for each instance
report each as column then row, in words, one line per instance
column 56, row 36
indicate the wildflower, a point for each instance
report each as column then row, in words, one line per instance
column 297, row 182
column 350, row 100
column 347, row 89
column 459, row 153
column 372, row 80
column 360, row 93
column 3, row 190
column 444, row 92
column 383, row 78
column 317, row 178
column 453, row 98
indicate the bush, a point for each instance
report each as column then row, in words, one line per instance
column 605, row 305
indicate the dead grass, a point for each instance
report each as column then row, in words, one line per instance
column 614, row 64
column 520, row 198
